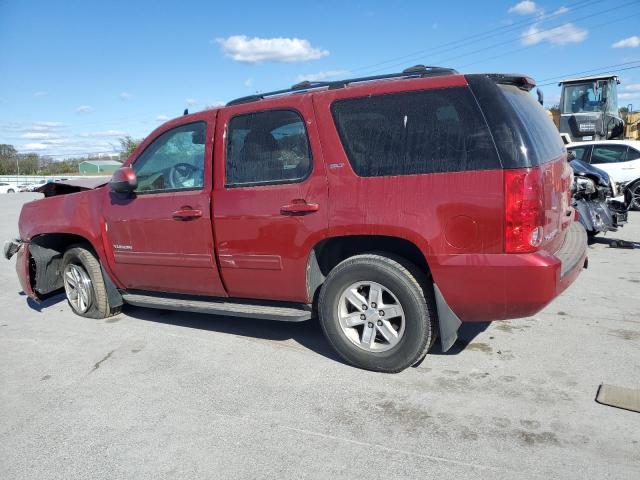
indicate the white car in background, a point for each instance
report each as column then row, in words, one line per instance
column 6, row 187
column 619, row 158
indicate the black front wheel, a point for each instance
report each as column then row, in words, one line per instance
column 84, row 285
column 633, row 196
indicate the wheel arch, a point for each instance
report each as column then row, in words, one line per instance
column 46, row 251
column 329, row 252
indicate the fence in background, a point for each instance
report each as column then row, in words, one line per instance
column 24, row 179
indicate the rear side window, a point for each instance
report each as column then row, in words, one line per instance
column 608, row 154
column 542, row 140
column 266, row 148
column 410, row 133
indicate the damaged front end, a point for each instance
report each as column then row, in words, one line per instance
column 593, row 194
column 38, row 268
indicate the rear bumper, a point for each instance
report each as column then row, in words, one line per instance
column 486, row 287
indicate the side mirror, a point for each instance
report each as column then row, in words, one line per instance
column 540, row 96
column 124, row 180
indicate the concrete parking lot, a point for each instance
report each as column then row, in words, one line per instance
column 157, row 394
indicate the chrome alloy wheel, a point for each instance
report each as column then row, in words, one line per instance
column 371, row 316
column 78, row 287
column 635, row 197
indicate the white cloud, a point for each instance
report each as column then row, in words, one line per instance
column 125, row 96
column 84, row 109
column 36, row 146
column 105, row 133
column 628, row 95
column 216, row 104
column 255, row 50
column 35, row 135
column 162, row 118
column 45, row 126
column 40, row 94
column 191, row 102
column 526, row 7
column 631, row 42
column 561, row 11
column 561, row 35
column 248, row 82
column 318, row 77
column 632, row 87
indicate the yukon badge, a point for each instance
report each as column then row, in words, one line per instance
column 122, row 247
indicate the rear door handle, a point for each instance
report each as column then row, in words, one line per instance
column 299, row 208
column 187, row 213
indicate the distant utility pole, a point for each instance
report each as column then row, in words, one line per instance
column 18, row 163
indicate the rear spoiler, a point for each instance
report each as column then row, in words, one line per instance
column 521, row 81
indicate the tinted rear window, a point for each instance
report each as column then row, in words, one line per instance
column 541, row 137
column 418, row 132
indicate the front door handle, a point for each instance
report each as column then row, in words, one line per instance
column 187, row 213
column 299, row 207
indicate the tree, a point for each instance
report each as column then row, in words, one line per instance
column 8, row 158
column 128, row 145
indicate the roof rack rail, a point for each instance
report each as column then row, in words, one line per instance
column 415, row 71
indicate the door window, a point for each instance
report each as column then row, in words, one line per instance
column 608, row 154
column 173, row 161
column 267, row 147
column 578, row 153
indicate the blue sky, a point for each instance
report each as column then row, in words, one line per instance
column 76, row 75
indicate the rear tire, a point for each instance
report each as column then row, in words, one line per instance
column 396, row 328
column 84, row 285
column 11, row 190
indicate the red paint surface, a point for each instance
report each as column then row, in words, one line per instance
column 455, row 219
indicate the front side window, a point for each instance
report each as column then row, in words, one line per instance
column 173, row 161
column 267, row 147
column 578, row 153
column 608, row 154
column 583, row 97
column 411, row 133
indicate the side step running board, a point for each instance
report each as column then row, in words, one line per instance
column 280, row 311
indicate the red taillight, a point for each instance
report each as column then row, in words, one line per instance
column 524, row 213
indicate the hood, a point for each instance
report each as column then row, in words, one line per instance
column 64, row 187
column 583, row 169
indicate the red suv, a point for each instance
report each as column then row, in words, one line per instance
column 397, row 206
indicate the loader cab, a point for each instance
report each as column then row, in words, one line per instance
column 589, row 109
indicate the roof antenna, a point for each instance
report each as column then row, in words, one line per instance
column 186, row 111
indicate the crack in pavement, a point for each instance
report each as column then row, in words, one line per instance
column 100, row 362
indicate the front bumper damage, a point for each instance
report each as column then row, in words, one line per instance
column 11, row 247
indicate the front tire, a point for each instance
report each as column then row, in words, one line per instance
column 378, row 312
column 633, row 196
column 84, row 285
column 11, row 190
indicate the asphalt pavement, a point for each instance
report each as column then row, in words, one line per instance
column 158, row 394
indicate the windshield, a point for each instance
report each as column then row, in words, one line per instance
column 583, row 97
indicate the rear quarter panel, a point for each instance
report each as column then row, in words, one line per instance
column 443, row 214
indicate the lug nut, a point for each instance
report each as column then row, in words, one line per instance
column 363, row 316
column 379, row 323
column 364, row 307
column 373, row 305
column 381, row 313
column 370, row 324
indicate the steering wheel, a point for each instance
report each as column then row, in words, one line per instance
column 181, row 173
